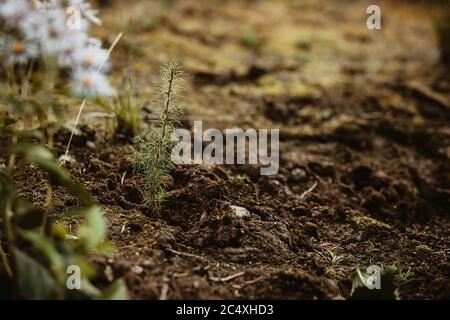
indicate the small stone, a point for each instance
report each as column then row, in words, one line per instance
column 137, row 269
column 299, row 174
column 91, row 145
column 311, row 226
column 240, row 212
column 148, row 263
column 109, row 274
column 65, row 158
column 315, row 213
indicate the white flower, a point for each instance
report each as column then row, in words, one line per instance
column 14, row 11
column 70, row 47
column 20, row 52
column 89, row 83
column 52, row 43
column 94, row 42
column 92, row 57
column 53, row 40
column 45, row 30
column 91, row 14
column 78, row 25
column 86, row 9
column 74, row 20
column 34, row 25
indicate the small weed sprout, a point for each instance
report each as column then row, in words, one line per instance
column 402, row 276
column 304, row 45
column 251, row 40
column 126, row 106
column 148, row 24
column 335, row 257
column 152, row 148
column 332, row 256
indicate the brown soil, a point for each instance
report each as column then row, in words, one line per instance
column 363, row 114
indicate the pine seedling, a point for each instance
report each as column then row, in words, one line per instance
column 152, row 148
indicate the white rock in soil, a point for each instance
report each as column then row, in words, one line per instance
column 137, row 269
column 91, row 145
column 240, row 212
column 109, row 273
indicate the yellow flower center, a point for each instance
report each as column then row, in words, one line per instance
column 19, row 48
column 88, row 60
column 86, row 81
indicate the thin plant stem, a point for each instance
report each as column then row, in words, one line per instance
column 7, row 213
column 12, row 156
column 66, row 155
column 11, row 79
column 48, row 205
column 6, row 262
column 30, row 70
column 83, row 103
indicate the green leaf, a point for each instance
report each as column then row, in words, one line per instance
column 117, row 291
column 27, row 216
column 6, row 190
column 71, row 128
column 46, row 246
column 103, row 104
column 88, row 269
column 34, row 280
column 106, row 248
column 89, row 289
column 359, row 280
column 93, row 231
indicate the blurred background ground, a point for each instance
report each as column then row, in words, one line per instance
column 363, row 115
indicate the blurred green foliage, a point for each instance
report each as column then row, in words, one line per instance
column 35, row 255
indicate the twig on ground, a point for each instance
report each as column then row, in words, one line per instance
column 164, row 290
column 247, row 283
column 304, row 194
column 225, row 279
column 123, row 178
column 181, row 275
column 186, row 254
